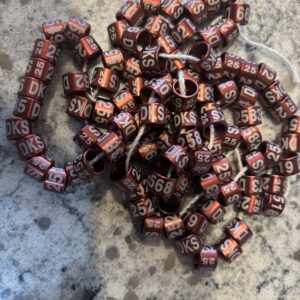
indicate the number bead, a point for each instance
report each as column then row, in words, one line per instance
column 212, row 36
column 157, row 26
column 247, row 97
column 75, row 83
column 173, row 227
column 274, row 184
column 229, row 249
column 227, row 92
column 293, row 125
column 56, row 180
column 222, row 168
column 130, row 12
column 255, row 162
column 148, row 151
column 17, row 128
column 115, row 32
column 273, row 94
column 114, row 59
column 271, row 152
column 105, row 79
column 47, row 50
column 30, row 145
column 229, row 193
column 248, row 116
column 54, row 31
column 231, row 139
column 248, row 72
column 273, row 205
column 80, row 107
column 239, row 231
column 40, row 69
column 212, row 210
column 197, row 10
column 285, row 109
column 196, row 223
column 150, row 6
column 250, row 138
column 87, row 136
column 38, row 166
column 153, row 227
column 76, row 29
column 232, row 65
column 172, row 9
column 289, row 164
column 201, row 161
column 32, row 88
column 238, row 12
column 27, row 108
column 251, row 185
column 189, row 245
column 206, row 259
column 250, row 204
column 183, row 31
column 73, row 179
column 151, row 62
column 167, row 43
column 229, row 31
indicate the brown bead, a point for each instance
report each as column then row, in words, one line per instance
column 255, row 162
column 273, row 205
column 239, row 231
column 54, row 31
column 172, row 9
column 189, row 245
column 80, row 107
column 82, row 167
column 169, row 206
column 183, row 31
column 153, row 227
column 75, row 82
column 112, row 145
column 250, row 138
column 248, row 72
column 173, row 226
column 271, row 152
column 189, row 73
column 56, row 180
column 250, row 185
column 150, row 6
column 232, row 137
column 284, row 110
column 213, row 5
column 157, row 26
column 153, row 114
column 151, row 62
column 161, row 185
column 189, row 139
column 27, row 108
column 251, row 204
column 182, row 184
column 232, row 65
column 212, row 36
column 127, row 181
column 265, row 76
column 201, row 161
column 293, row 125
column 30, row 145
column 273, row 94
column 248, row 116
column 32, row 88
column 131, row 12
column 135, row 86
column 115, row 32
column 206, row 259
column 160, row 87
column 238, row 12
column 177, row 157
column 141, row 192
column 229, row 31
column 167, row 43
column 289, row 164
column 148, row 151
column 206, row 55
column 87, row 49
column 87, row 136
column 227, row 92
column 38, row 166
column 217, row 147
column 76, row 29
column 222, row 168
column 247, row 97
column 105, row 79
column 102, row 112
column 274, row 184
column 229, row 193
column 213, row 211
column 140, row 208
column 185, row 102
column 164, row 140
column 229, row 249
column 213, row 117
column 47, row 50
column 217, row 72
column 17, row 128
column 132, row 68
column 114, row 59
column 206, row 93
column 197, row 10
column 40, row 69
column 291, row 142
column 124, row 125
column 135, row 39
column 125, row 101
column 196, row 223
column 73, row 179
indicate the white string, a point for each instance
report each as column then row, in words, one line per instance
column 170, row 171
column 295, row 75
column 240, row 174
column 179, row 56
column 84, row 67
column 181, row 82
column 96, row 158
column 190, row 204
column 212, row 136
column 93, row 97
column 134, row 145
column 239, row 160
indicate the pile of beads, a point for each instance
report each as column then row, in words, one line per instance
column 153, row 107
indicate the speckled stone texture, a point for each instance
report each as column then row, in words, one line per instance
column 82, row 245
